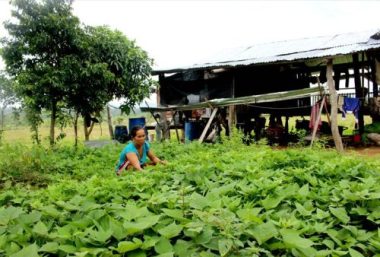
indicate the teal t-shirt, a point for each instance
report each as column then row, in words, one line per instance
column 131, row 148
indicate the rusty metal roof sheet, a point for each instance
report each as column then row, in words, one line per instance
column 287, row 51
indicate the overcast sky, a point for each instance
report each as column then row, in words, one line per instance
column 179, row 32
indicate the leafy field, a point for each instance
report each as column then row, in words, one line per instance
column 210, row 200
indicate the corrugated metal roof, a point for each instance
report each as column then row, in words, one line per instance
column 290, row 50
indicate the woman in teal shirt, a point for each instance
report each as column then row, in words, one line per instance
column 136, row 153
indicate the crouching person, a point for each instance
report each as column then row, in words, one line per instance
column 135, row 155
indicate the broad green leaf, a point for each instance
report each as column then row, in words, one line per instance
column 271, row 202
column 117, row 229
column 163, row 246
column 12, row 247
column 149, row 221
column 175, row 214
column 100, row 235
column 40, row 229
column 302, row 210
column 181, row 248
column 149, row 242
column 170, row 254
column 29, row 251
column 137, row 253
column 50, row 247
column 205, row 236
column 170, row 231
column 250, row 215
column 132, row 212
column 50, row 210
column 31, row 217
column 197, row 201
column 8, row 214
column 263, row 232
column 340, row 213
column 225, row 246
column 304, row 190
column 323, row 253
column 322, row 214
column 293, row 240
column 67, row 248
column 355, row 253
column 127, row 246
column 141, row 224
column 207, row 254
column 3, row 241
column 64, row 232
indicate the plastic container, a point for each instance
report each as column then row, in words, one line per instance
column 192, row 130
column 138, row 122
column 121, row 133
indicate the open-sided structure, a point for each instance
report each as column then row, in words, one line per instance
column 293, row 65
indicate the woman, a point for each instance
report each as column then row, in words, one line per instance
column 135, row 154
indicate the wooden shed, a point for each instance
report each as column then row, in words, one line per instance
column 278, row 67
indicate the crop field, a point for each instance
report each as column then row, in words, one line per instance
column 224, row 199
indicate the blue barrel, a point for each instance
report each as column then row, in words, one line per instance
column 121, row 133
column 192, row 130
column 138, row 122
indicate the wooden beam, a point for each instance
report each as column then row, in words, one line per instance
column 316, row 123
column 232, row 108
column 203, row 135
column 373, row 76
column 334, row 107
column 358, row 91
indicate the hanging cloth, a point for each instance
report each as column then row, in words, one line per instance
column 351, row 105
column 314, row 115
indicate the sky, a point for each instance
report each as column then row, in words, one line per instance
column 178, row 33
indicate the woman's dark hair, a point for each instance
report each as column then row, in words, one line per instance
column 134, row 130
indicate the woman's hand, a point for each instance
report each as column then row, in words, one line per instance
column 163, row 162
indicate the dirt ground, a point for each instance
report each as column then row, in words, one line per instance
column 373, row 151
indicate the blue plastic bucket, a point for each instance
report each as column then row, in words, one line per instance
column 138, row 122
column 121, row 133
column 192, row 130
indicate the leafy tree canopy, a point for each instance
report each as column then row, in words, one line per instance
column 60, row 64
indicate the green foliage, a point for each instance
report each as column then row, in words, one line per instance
column 60, row 65
column 210, row 200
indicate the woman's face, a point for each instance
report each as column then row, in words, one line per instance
column 140, row 137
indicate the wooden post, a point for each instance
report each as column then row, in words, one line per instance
column 358, row 91
column 315, row 128
column 373, row 76
column 334, row 107
column 232, row 108
column 203, row 135
column 175, row 126
column 109, row 120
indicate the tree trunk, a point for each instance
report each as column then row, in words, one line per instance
column 52, row 122
column 109, row 120
column 76, row 128
column 334, row 107
column 2, row 118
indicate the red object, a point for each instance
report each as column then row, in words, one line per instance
column 356, row 138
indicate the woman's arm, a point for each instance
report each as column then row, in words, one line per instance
column 154, row 158
column 132, row 157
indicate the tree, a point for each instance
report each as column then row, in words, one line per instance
column 109, row 65
column 7, row 96
column 43, row 39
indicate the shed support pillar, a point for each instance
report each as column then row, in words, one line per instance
column 334, row 107
column 358, row 91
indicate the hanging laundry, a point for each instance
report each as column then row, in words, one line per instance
column 351, row 105
column 314, row 115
